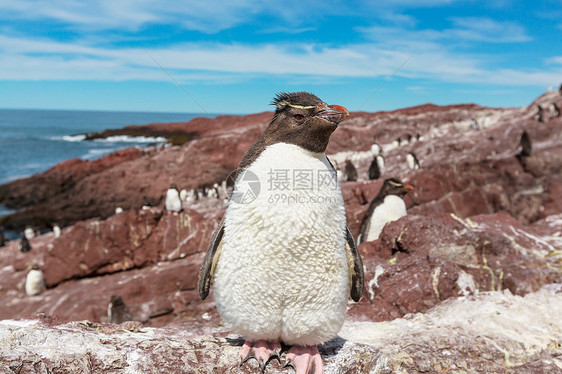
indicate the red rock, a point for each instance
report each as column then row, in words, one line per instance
column 423, row 260
column 506, row 233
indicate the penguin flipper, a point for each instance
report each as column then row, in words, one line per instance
column 355, row 266
column 210, row 261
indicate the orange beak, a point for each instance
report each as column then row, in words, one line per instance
column 334, row 114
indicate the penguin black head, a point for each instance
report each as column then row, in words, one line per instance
column 301, row 118
column 173, row 186
column 116, row 300
column 393, row 186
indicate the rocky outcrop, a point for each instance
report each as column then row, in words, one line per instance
column 459, row 164
column 493, row 332
column 420, row 261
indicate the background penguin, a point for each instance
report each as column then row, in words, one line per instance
column 268, row 261
column 173, row 202
column 34, row 281
column 118, row 210
column 554, row 110
column 56, row 230
column 374, row 171
column 387, row 206
column 29, row 233
column 350, row 171
column 183, row 195
column 412, row 160
column 24, row 244
column 524, row 146
column 540, row 114
column 213, row 193
column 118, row 311
column 474, row 124
column 2, row 238
column 191, row 196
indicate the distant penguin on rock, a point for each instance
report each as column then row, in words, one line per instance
column 524, row 146
column 2, row 238
column 24, row 244
column 118, row 210
column 29, row 233
column 412, row 160
column 117, row 311
column 191, row 196
column 183, row 195
column 217, row 189
column 474, row 124
column 56, row 230
column 34, row 281
column 540, row 114
column 173, row 202
column 387, row 206
column 350, row 171
column 213, row 193
column 374, row 171
column 554, row 110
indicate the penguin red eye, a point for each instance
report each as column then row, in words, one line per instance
column 299, row 117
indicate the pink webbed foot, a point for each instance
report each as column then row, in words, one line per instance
column 263, row 351
column 305, row 360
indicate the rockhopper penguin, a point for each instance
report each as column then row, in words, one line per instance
column 387, row 206
column 24, row 245
column 118, row 311
column 282, row 268
column 34, row 281
column 374, row 171
column 350, row 171
column 173, row 201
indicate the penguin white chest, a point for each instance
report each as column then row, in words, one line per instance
column 391, row 209
column 282, row 272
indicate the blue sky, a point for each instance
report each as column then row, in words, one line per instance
column 232, row 57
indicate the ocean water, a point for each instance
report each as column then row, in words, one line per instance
column 32, row 141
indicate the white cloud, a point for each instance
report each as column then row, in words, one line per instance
column 469, row 29
column 35, row 59
column 554, row 60
column 487, row 30
column 131, row 15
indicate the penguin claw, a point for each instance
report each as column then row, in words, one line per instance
column 287, row 364
column 304, row 360
column 263, row 351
